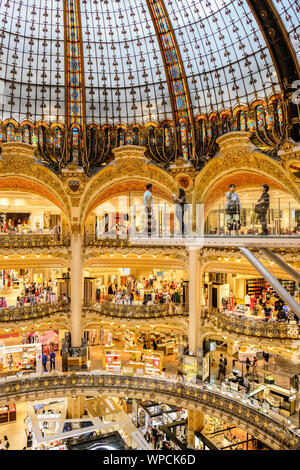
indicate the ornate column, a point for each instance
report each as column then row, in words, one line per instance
column 76, row 407
column 194, row 299
column 196, row 421
column 76, row 290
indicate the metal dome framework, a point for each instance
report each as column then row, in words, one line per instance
column 81, row 77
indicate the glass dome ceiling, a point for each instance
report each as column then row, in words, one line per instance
column 225, row 59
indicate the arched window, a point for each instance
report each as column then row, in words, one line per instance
column 120, row 141
column 269, row 118
column 278, row 114
column 41, row 136
column 151, row 135
column 135, row 136
column 225, row 126
column 10, row 133
column 26, row 135
column 184, row 141
column 57, row 137
column 242, row 123
column 260, row 118
column 168, row 139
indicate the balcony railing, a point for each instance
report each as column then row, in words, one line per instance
column 267, row 425
column 32, row 241
column 115, row 310
column 30, row 312
column 243, row 325
column 282, row 219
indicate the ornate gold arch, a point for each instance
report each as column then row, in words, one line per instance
column 128, row 174
column 242, row 162
column 20, row 172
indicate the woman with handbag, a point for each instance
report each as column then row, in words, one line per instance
column 262, row 208
column 232, row 209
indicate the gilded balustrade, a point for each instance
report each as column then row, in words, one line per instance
column 15, row 314
column 243, row 325
column 111, row 309
column 274, row 428
column 32, row 241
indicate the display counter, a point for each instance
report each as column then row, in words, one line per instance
column 8, row 413
column 133, row 361
column 25, row 358
column 277, row 397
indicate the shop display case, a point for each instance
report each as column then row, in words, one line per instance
column 8, row 413
column 133, row 361
column 23, row 358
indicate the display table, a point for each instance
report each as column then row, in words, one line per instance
column 8, row 413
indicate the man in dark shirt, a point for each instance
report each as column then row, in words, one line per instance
column 264, row 204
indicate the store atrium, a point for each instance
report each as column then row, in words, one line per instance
column 149, row 225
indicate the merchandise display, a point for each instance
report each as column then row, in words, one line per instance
column 23, row 358
column 133, row 361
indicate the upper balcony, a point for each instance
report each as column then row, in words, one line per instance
column 202, row 224
column 32, row 240
column 29, row 312
column 240, row 325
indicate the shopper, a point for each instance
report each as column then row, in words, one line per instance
column 29, row 440
column 266, row 358
column 2, row 447
column 262, row 208
column 254, row 368
column 10, row 361
column 220, row 367
column 232, row 209
column 6, row 443
column 248, row 363
column 180, row 202
column 52, row 360
column 44, row 361
column 155, row 437
column 148, row 204
column 224, row 366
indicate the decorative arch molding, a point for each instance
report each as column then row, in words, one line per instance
column 18, row 183
column 117, row 179
column 20, row 171
column 231, row 163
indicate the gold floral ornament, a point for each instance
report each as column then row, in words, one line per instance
column 100, row 380
column 257, row 419
column 73, row 381
column 46, row 383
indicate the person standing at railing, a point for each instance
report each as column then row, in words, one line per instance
column 233, row 210
column 148, row 205
column 262, row 208
column 180, row 202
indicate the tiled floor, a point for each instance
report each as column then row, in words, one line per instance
column 15, row 431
